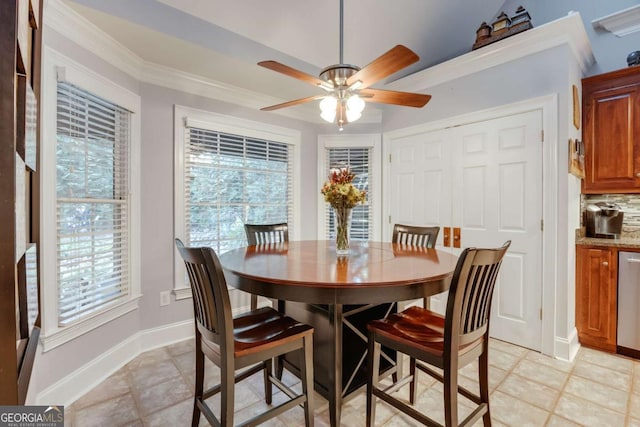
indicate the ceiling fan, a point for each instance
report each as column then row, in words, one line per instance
column 348, row 86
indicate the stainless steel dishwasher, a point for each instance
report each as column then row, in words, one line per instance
column 629, row 303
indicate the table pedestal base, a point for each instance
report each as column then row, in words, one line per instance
column 339, row 348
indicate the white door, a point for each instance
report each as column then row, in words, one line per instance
column 485, row 178
column 497, row 181
column 421, row 179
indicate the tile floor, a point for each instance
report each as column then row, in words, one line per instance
column 527, row 389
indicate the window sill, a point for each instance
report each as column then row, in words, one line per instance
column 59, row 336
column 182, row 293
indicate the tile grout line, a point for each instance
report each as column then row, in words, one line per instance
column 509, row 373
column 552, row 412
column 130, row 381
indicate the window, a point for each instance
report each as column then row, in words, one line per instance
column 358, row 160
column 361, row 154
column 92, row 187
column 90, row 198
column 231, row 180
column 232, row 172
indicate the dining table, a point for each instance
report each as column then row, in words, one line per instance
column 338, row 295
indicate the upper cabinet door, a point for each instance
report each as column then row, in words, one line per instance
column 612, row 132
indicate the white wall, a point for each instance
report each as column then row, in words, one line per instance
column 60, row 373
column 157, row 189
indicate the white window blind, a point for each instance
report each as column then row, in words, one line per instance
column 231, row 180
column 92, row 203
column 359, row 160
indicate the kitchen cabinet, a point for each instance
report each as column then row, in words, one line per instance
column 596, row 296
column 611, row 132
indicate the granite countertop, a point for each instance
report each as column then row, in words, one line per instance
column 627, row 240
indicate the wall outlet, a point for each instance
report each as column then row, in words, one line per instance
column 165, row 298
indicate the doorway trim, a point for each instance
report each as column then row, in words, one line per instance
column 548, row 104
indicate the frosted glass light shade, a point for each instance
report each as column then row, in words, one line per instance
column 355, row 103
column 328, row 108
column 352, row 115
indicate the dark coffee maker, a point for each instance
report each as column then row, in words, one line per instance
column 603, row 220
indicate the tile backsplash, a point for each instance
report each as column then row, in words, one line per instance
column 629, row 204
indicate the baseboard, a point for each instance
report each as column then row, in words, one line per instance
column 73, row 386
column 567, row 348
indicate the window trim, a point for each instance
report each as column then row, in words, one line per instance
column 373, row 141
column 192, row 117
column 57, row 66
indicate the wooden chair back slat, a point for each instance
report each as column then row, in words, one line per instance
column 211, row 303
column 261, row 234
column 471, row 292
column 412, row 235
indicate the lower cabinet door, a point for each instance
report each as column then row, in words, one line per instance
column 596, row 297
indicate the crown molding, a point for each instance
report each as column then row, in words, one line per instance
column 620, row 23
column 69, row 23
column 171, row 78
column 564, row 31
column 168, row 77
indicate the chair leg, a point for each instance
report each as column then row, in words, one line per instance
column 199, row 380
column 268, row 390
column 279, row 360
column 451, row 396
column 227, row 396
column 413, row 385
column 307, row 380
column 374, row 378
column 483, row 379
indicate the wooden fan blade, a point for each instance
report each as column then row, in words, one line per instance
column 407, row 99
column 291, row 72
column 291, row 103
column 388, row 63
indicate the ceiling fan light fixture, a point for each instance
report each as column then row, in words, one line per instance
column 355, row 107
column 348, row 84
column 355, row 104
column 352, row 116
column 328, row 107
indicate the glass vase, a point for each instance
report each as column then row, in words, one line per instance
column 342, row 222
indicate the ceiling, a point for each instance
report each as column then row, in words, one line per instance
column 223, row 40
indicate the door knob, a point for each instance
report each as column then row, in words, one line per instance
column 605, row 263
column 638, row 175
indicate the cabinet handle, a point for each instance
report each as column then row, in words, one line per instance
column 605, row 263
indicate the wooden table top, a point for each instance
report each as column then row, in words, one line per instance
column 389, row 268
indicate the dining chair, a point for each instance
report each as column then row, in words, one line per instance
column 261, row 234
column 249, row 340
column 413, row 235
column 449, row 343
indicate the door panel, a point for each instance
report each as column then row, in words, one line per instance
column 501, row 199
column 486, row 179
column 425, row 198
